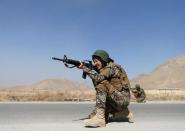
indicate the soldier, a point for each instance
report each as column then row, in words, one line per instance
column 139, row 94
column 112, row 90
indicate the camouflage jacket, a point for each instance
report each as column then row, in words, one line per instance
column 139, row 94
column 113, row 73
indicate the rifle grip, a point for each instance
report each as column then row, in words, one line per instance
column 84, row 75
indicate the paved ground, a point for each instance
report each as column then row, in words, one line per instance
column 161, row 116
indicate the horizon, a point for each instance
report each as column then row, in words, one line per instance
column 84, row 81
column 139, row 35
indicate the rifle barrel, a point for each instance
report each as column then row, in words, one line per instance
column 54, row 58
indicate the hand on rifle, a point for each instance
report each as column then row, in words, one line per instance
column 81, row 66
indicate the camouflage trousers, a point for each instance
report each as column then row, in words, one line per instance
column 112, row 102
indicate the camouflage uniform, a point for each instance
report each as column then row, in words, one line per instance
column 139, row 94
column 112, row 88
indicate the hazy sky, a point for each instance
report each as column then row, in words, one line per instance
column 138, row 34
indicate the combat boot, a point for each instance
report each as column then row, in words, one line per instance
column 130, row 117
column 93, row 113
column 98, row 120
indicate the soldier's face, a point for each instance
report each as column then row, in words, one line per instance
column 97, row 63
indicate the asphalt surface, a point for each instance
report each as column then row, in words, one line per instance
column 65, row 116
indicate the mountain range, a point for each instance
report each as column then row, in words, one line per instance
column 169, row 75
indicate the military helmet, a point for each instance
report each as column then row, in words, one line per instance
column 103, row 55
column 137, row 86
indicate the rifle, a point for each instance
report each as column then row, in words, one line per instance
column 75, row 63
